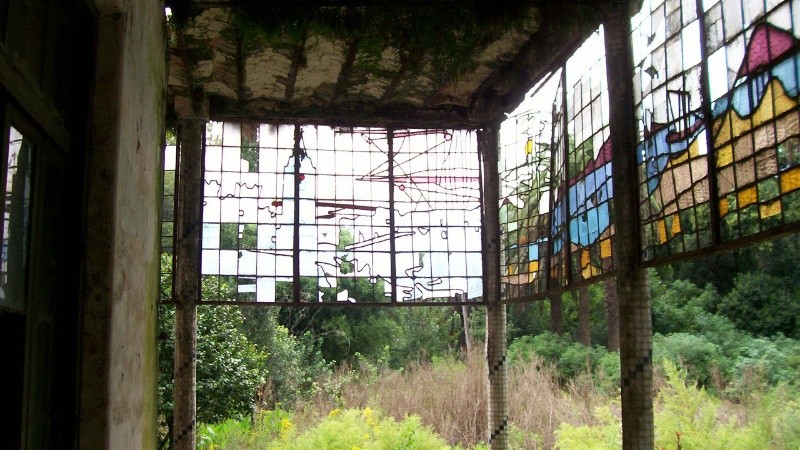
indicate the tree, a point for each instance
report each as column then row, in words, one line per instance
column 584, row 330
column 611, row 303
column 230, row 368
column 556, row 315
column 762, row 304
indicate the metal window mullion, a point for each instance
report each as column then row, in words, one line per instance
column 705, row 94
column 392, row 245
column 551, row 241
column 567, row 243
column 298, row 135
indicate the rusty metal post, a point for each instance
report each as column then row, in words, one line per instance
column 188, row 223
column 495, row 311
column 636, row 330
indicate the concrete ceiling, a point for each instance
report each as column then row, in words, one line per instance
column 249, row 62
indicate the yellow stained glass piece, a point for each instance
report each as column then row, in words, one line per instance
column 724, row 156
column 774, row 103
column 790, row 180
column 770, row 209
column 732, row 124
column 590, row 271
column 605, row 248
column 676, row 225
column 747, row 197
column 723, row 207
column 661, row 229
column 533, row 266
column 585, row 258
column 722, row 129
column 692, row 151
column 529, row 147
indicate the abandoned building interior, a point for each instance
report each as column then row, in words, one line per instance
column 460, row 152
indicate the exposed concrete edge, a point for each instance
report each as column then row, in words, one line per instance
column 100, row 216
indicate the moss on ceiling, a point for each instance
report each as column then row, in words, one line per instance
column 445, row 34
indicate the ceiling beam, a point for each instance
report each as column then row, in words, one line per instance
column 344, row 74
column 298, row 60
column 342, row 114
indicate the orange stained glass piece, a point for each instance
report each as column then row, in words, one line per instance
column 747, row 197
column 723, row 207
column 585, row 258
column 790, row 180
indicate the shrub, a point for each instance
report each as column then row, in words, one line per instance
column 570, row 358
column 691, row 418
column 696, row 354
column 762, row 304
column 362, row 429
column 605, row 434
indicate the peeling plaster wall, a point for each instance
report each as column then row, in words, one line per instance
column 119, row 358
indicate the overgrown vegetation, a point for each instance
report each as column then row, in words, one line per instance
column 725, row 373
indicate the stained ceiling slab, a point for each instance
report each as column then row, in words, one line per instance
column 415, row 64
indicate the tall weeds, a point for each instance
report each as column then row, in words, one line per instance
column 450, row 397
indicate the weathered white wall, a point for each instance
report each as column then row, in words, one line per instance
column 119, row 359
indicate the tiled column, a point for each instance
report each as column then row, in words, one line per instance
column 188, row 216
column 495, row 312
column 636, row 331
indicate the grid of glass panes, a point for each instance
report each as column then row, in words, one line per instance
column 589, row 188
column 167, row 218
column 310, row 219
column 437, row 215
column 753, row 68
column 672, row 150
column 345, row 237
column 529, row 152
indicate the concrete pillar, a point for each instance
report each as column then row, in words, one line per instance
column 188, row 223
column 119, row 363
column 495, row 312
column 636, row 331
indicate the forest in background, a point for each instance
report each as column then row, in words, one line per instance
column 726, row 348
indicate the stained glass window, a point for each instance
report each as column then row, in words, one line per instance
column 733, row 65
column 672, row 150
column 589, row 189
column 322, row 214
column 530, row 152
column 753, row 73
column 555, row 179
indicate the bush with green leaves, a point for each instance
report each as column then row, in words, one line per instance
column 349, row 429
column 695, row 353
column 295, row 363
column 763, row 304
column 229, row 367
column 689, row 417
column 570, row 358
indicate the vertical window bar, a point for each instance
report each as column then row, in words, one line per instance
column 567, row 245
column 298, row 153
column 392, row 249
column 545, row 263
column 705, row 95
